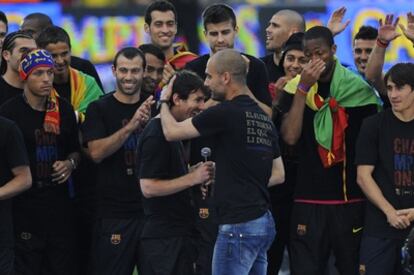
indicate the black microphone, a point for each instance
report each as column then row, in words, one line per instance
column 206, row 153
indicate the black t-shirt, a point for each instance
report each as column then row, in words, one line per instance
column 46, row 206
column 118, row 192
column 314, row 182
column 166, row 216
column 388, row 144
column 87, row 67
column 246, row 144
column 63, row 90
column 257, row 80
column 13, row 154
column 7, row 91
column 274, row 71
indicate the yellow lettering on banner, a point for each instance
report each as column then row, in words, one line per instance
column 401, row 43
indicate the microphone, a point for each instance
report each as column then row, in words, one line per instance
column 206, row 153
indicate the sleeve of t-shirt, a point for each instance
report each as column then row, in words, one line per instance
column 16, row 153
column 213, row 120
column 275, row 144
column 93, row 127
column 261, row 80
column 366, row 151
column 285, row 102
column 154, row 158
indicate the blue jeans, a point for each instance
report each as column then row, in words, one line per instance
column 242, row 248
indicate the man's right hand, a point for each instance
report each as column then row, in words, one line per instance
column 387, row 29
column 311, row 72
column 397, row 221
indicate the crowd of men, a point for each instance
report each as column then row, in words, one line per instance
column 212, row 164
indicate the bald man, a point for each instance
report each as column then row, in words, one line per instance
column 247, row 162
column 281, row 26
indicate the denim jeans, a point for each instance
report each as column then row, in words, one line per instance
column 241, row 248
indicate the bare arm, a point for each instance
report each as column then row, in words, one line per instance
column 291, row 128
column 278, row 172
column 21, row 181
column 386, row 34
column 374, row 194
column 100, row 149
column 158, row 188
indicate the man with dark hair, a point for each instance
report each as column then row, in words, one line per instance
column 247, row 162
column 364, row 42
column 161, row 25
column 166, row 246
column 15, row 45
column 323, row 108
column 220, row 29
column 75, row 86
column 43, row 216
column 155, row 60
column 35, row 23
column 111, row 130
column 281, row 26
column 15, row 177
column 4, row 27
column 383, row 156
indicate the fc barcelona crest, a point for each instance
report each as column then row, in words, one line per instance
column 203, row 213
column 115, row 239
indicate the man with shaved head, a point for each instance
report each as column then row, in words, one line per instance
column 281, row 26
column 247, row 162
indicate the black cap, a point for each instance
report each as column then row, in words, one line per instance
column 294, row 42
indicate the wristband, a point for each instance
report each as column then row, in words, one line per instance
column 382, row 44
column 305, row 88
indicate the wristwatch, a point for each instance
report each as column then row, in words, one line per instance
column 73, row 163
column 161, row 101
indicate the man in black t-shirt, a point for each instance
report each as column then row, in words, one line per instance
column 323, row 110
column 14, row 46
column 155, row 60
column 220, row 30
column 247, row 162
column 384, row 155
column 43, row 216
column 166, row 246
column 34, row 23
column 15, row 177
column 281, row 26
column 111, row 130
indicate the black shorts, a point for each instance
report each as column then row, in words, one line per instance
column 317, row 230
column 45, row 254
column 115, row 249
column 380, row 256
column 167, row 256
column 6, row 260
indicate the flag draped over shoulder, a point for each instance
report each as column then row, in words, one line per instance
column 83, row 90
column 346, row 90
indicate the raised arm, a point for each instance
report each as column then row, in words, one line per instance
column 100, row 149
column 386, row 33
column 291, row 128
column 335, row 23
